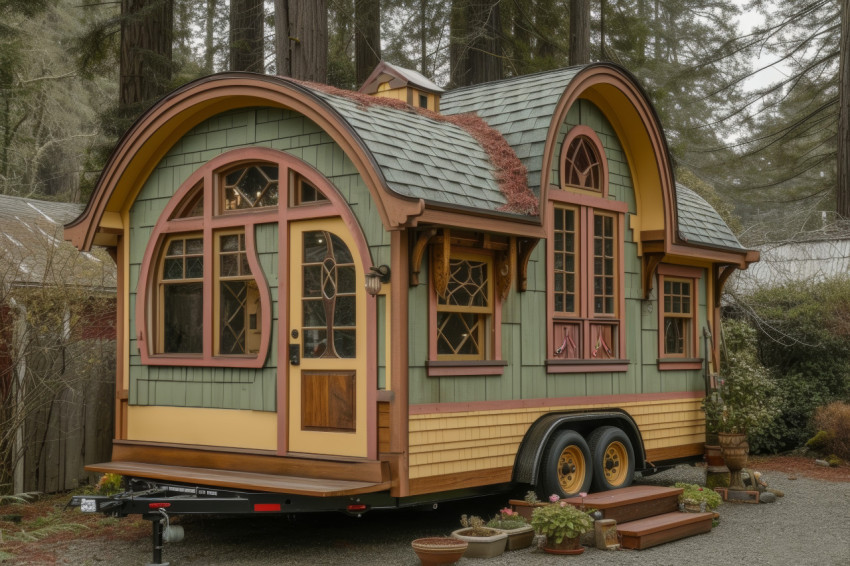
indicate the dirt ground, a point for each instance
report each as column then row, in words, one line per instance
column 44, row 532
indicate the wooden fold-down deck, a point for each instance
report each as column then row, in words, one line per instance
column 315, row 476
column 316, row 487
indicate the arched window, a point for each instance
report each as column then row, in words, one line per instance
column 583, row 164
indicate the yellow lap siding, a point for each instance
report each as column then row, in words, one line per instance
column 448, row 443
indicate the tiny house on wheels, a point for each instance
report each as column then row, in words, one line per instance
column 332, row 300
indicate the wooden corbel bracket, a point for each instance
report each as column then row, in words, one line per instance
column 524, row 248
column 418, row 252
column 722, row 273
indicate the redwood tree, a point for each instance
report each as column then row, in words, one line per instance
column 246, row 35
column 579, row 32
column 367, row 38
column 843, row 207
column 145, row 65
column 301, row 39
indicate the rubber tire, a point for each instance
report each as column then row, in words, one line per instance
column 609, row 446
column 578, row 452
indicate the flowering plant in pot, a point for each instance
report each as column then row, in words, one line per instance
column 484, row 542
column 697, row 498
column 520, row 533
column 562, row 524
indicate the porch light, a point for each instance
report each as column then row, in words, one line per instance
column 376, row 277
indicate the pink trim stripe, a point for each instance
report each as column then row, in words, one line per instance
column 610, row 400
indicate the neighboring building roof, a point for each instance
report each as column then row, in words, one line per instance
column 520, row 108
column 700, row 224
column 812, row 261
column 34, row 253
column 397, row 77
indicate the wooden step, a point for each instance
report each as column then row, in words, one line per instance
column 631, row 503
column 653, row 531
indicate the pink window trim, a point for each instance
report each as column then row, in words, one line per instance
column 596, row 144
column 208, row 225
column 687, row 361
column 459, row 367
column 586, row 206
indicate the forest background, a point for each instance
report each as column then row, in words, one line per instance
column 75, row 74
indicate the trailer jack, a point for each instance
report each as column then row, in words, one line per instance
column 160, row 535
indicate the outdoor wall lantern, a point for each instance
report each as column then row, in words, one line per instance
column 377, row 277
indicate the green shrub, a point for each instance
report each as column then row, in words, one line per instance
column 834, row 420
column 804, row 340
column 819, row 441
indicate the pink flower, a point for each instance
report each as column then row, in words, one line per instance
column 554, row 498
column 583, row 494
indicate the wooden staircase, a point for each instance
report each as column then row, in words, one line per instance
column 646, row 515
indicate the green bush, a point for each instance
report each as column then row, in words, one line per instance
column 834, row 421
column 804, row 340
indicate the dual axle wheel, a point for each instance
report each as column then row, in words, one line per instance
column 572, row 465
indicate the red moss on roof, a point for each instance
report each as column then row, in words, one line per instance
column 511, row 174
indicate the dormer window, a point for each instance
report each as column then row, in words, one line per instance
column 423, row 101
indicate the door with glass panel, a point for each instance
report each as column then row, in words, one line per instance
column 326, row 381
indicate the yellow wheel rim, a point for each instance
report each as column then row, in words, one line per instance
column 571, row 470
column 615, row 463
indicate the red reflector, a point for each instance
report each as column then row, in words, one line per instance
column 355, row 508
column 266, row 506
column 159, row 505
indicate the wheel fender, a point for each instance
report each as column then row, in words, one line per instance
column 530, row 452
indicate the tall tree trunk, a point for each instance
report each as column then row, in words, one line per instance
column 303, row 51
column 246, row 35
column 423, row 37
column 476, row 53
column 602, row 7
column 209, row 36
column 282, row 59
column 843, row 197
column 145, row 63
column 367, row 38
column 579, row 32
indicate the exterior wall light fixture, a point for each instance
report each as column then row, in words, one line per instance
column 376, row 277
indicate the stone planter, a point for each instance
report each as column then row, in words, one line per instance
column 435, row 551
column 518, row 538
column 735, row 450
column 482, row 547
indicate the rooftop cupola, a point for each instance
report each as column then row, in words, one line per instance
column 406, row 85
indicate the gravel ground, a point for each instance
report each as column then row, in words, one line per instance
column 809, row 526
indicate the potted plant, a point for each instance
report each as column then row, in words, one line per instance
column 696, row 499
column 435, row 551
column 741, row 405
column 483, row 541
column 526, row 505
column 520, row 533
column 563, row 525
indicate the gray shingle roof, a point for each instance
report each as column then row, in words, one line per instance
column 520, row 108
column 423, row 158
column 440, row 162
column 700, row 224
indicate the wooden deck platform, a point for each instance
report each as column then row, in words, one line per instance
column 631, row 503
column 646, row 515
column 652, row 531
column 296, row 485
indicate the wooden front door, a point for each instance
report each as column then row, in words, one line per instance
column 327, row 391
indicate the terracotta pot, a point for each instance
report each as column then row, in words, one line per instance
column 713, row 456
column 524, row 508
column 482, row 547
column 434, row 551
column 566, row 546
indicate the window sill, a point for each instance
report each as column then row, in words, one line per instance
column 586, row 366
column 184, row 360
column 458, row 368
column 672, row 364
